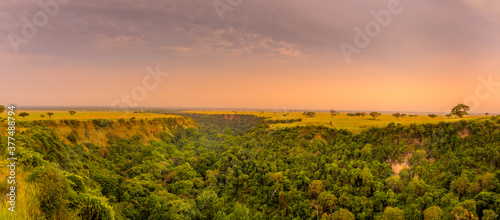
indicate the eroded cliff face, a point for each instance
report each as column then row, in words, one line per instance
column 104, row 132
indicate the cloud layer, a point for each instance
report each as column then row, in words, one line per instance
column 441, row 39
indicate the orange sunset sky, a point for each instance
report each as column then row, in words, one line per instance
column 277, row 54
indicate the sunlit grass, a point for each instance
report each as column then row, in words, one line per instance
column 27, row 205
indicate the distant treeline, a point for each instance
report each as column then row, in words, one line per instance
column 237, row 124
column 283, row 121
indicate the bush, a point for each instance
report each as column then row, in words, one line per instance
column 53, row 191
column 92, row 207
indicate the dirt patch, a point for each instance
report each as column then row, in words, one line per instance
column 464, row 133
column 397, row 167
column 416, row 141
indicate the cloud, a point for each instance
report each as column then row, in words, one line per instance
column 275, row 28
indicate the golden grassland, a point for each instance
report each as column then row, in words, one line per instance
column 84, row 115
column 26, row 202
column 341, row 121
column 86, row 131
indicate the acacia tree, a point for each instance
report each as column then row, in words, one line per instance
column 42, row 115
column 375, row 115
column 397, row 115
column 460, row 110
column 432, row 115
column 50, row 114
column 24, row 114
column 333, row 113
column 71, row 112
column 448, row 115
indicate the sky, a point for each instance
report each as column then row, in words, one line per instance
column 381, row 55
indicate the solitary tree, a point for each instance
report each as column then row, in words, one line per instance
column 333, row 113
column 42, row 115
column 460, row 110
column 448, row 115
column 24, row 114
column 486, row 113
column 50, row 114
column 432, row 115
column 396, row 115
column 375, row 115
column 2, row 109
column 73, row 112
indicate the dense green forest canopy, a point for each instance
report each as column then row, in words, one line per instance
column 239, row 168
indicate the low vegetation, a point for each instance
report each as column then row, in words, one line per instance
column 238, row 167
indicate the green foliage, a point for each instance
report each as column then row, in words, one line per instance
column 92, row 207
column 433, row 213
column 343, row 214
column 240, row 212
column 102, row 123
column 53, row 191
column 393, row 214
column 396, row 115
column 224, row 169
column 309, row 114
column 24, row 114
column 489, row 215
column 460, row 110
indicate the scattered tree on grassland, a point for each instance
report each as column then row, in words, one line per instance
column 333, row 113
column 460, row 110
column 375, row 115
column 397, row 115
column 24, row 114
